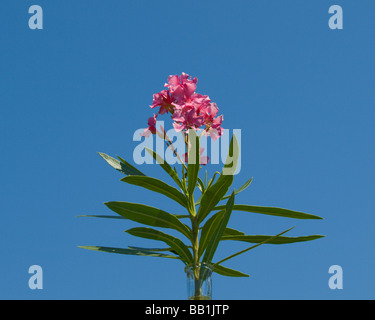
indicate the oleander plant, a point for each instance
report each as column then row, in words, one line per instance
column 207, row 202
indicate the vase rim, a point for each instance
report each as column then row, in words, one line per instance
column 203, row 264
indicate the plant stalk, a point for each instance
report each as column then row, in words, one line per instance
column 197, row 287
column 195, row 244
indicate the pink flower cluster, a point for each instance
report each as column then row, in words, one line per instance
column 188, row 109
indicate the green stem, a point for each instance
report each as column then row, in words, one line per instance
column 197, row 287
column 170, row 146
column 195, row 234
column 195, row 243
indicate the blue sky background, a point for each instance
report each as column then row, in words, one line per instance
column 302, row 94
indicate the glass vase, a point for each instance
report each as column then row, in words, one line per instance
column 199, row 281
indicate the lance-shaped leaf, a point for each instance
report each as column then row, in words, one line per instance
column 132, row 170
column 272, row 211
column 208, row 230
column 210, row 227
column 199, row 199
column 200, row 185
column 102, row 216
column 149, row 215
column 178, row 216
column 216, row 236
column 224, row 271
column 271, row 240
column 213, row 196
column 232, row 232
column 135, row 252
column 193, row 161
column 176, row 244
column 211, row 181
column 242, row 188
column 157, row 185
column 254, row 246
column 155, row 250
column 215, row 193
column 182, row 216
column 122, row 166
column 167, row 168
column 150, row 249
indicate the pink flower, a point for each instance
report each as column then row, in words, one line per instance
column 181, row 87
column 186, row 118
column 188, row 109
column 151, row 127
column 214, row 133
column 163, row 100
column 203, row 159
column 200, row 101
column 213, row 125
column 209, row 111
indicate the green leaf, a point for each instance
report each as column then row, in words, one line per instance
column 178, row 216
column 215, row 192
column 167, row 168
column 175, row 243
column 200, row 184
column 150, row 249
column 210, row 226
column 182, row 216
column 135, row 252
column 262, row 238
column 271, row 211
column 213, row 196
column 208, row 230
column 224, row 271
column 199, row 199
column 132, row 170
column 211, row 181
column 149, row 215
column 124, row 167
column 157, row 186
column 102, row 216
column 232, row 232
column 252, row 247
column 243, row 187
column 215, row 239
column 193, row 161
